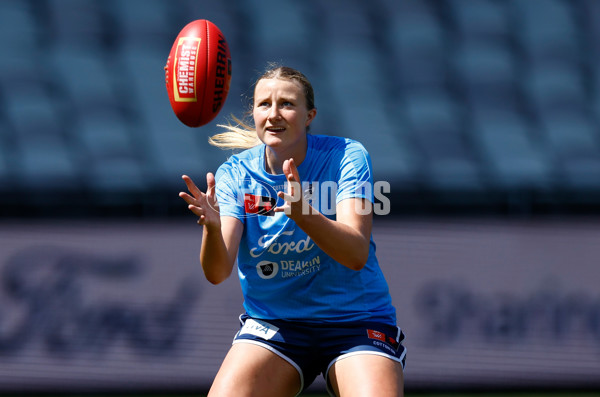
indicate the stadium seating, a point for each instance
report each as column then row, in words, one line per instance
column 448, row 96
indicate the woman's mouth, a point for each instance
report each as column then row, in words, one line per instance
column 275, row 129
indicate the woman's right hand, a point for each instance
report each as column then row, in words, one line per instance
column 204, row 205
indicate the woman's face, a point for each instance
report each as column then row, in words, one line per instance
column 280, row 113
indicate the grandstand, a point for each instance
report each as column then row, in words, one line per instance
column 465, row 106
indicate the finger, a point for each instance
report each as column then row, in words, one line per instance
column 210, row 183
column 287, row 170
column 289, row 176
column 289, row 198
column 191, row 186
column 286, row 208
column 198, row 211
column 294, row 191
column 283, row 207
column 293, row 170
column 202, row 220
column 188, row 199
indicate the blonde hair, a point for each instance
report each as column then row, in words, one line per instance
column 237, row 135
column 240, row 134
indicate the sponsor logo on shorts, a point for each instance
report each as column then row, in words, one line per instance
column 395, row 344
column 384, row 346
column 381, row 337
column 376, row 335
column 259, row 328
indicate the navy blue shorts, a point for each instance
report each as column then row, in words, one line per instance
column 312, row 348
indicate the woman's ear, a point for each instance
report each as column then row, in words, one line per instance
column 311, row 115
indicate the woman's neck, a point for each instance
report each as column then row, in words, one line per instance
column 274, row 158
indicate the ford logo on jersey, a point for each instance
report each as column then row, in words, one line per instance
column 260, row 205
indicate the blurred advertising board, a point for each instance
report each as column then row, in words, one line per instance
column 100, row 306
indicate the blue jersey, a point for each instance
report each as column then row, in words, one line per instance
column 283, row 274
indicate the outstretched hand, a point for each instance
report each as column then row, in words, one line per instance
column 294, row 205
column 203, row 205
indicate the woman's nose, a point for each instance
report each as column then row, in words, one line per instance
column 274, row 113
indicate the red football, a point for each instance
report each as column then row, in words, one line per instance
column 198, row 73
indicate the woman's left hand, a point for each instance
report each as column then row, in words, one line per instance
column 295, row 206
column 346, row 239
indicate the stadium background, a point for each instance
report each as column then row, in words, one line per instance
column 483, row 116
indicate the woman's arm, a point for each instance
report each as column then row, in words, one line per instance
column 219, row 249
column 220, row 237
column 346, row 239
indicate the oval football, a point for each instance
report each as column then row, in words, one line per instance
column 198, row 73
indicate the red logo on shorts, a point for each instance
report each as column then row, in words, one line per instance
column 376, row 335
column 380, row 336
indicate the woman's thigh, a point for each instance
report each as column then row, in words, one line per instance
column 367, row 375
column 252, row 370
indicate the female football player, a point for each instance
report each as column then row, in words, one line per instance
column 294, row 210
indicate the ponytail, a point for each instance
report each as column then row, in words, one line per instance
column 237, row 135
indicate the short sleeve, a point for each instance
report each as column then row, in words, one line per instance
column 229, row 196
column 355, row 179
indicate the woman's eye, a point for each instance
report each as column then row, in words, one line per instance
column 287, row 104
